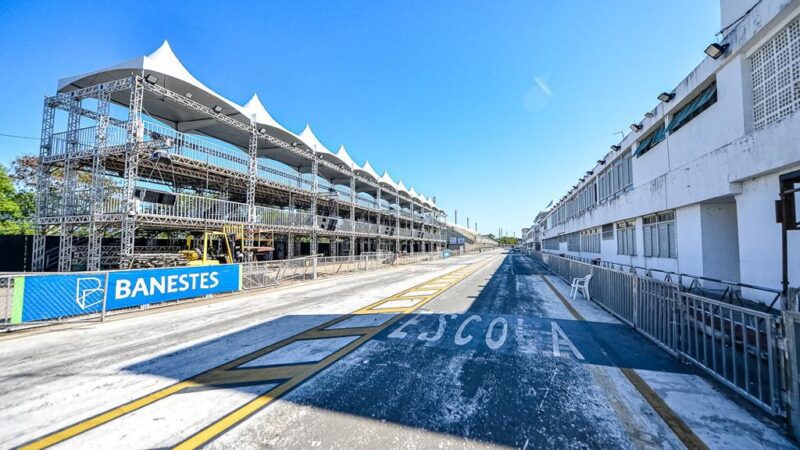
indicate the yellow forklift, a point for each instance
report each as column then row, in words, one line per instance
column 226, row 246
column 211, row 247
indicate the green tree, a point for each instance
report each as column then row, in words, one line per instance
column 508, row 240
column 16, row 206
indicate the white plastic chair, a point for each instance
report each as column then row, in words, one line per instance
column 580, row 285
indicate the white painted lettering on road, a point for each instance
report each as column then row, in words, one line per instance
column 526, row 345
column 492, row 343
column 399, row 333
column 560, row 338
column 439, row 331
column 460, row 339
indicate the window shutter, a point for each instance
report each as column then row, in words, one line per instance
column 673, row 245
column 663, row 240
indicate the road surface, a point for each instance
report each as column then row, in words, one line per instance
column 470, row 352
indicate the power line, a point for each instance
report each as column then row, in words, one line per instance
column 16, row 136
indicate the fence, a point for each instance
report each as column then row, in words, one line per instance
column 738, row 346
column 743, row 294
column 264, row 274
column 41, row 297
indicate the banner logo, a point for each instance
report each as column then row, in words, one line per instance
column 88, row 292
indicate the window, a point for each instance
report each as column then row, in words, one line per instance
column 626, row 237
column 776, row 76
column 651, row 140
column 574, row 242
column 551, row 244
column 659, row 235
column 590, row 241
column 693, row 109
column 608, row 232
column 615, row 178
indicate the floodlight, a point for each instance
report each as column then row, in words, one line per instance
column 616, row 148
column 601, row 161
column 217, row 109
column 716, row 50
column 636, row 127
column 649, row 114
column 188, row 95
column 666, row 97
column 150, row 78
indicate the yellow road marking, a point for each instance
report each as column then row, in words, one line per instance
column 289, row 376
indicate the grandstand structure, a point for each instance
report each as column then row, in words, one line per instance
column 137, row 156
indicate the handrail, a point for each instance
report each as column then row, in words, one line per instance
column 668, row 276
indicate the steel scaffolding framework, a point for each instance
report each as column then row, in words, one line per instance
column 111, row 221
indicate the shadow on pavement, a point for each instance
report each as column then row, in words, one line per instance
column 503, row 372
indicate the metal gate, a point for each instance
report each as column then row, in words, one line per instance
column 259, row 275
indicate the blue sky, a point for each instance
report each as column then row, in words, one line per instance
column 495, row 108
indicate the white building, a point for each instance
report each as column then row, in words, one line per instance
column 692, row 188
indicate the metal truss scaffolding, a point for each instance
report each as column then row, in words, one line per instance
column 116, row 190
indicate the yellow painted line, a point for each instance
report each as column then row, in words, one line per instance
column 670, row 417
column 339, row 332
column 229, row 372
column 108, row 416
column 250, row 375
column 217, row 428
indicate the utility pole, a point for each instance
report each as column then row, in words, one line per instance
column 468, row 222
column 456, row 219
column 476, row 227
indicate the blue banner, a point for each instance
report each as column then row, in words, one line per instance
column 54, row 296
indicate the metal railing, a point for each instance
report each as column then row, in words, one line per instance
column 254, row 275
column 258, row 275
column 727, row 291
column 196, row 207
column 6, row 298
column 738, row 346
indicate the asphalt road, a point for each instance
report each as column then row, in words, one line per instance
column 471, row 352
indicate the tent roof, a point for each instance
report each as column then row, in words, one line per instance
column 368, row 171
column 313, row 143
column 345, row 158
column 387, row 180
column 173, row 75
column 401, row 187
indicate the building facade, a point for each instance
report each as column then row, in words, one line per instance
column 692, row 188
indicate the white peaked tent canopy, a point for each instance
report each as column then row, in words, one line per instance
column 345, row 157
column 386, row 180
column 258, row 114
column 173, row 75
column 426, row 200
column 313, row 143
column 367, row 171
column 401, row 188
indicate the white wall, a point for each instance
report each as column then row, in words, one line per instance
column 760, row 236
column 689, row 233
column 720, row 241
